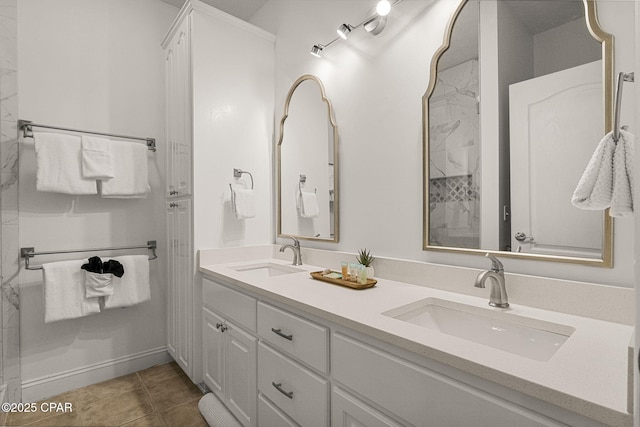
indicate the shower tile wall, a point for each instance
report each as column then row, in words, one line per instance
column 454, row 154
column 10, row 262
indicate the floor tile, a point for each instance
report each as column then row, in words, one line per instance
column 172, row 392
column 160, row 373
column 185, row 415
column 70, row 419
column 152, row 420
column 22, row 418
column 114, row 386
column 118, row 409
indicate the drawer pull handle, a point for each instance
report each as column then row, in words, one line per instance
column 279, row 332
column 278, row 387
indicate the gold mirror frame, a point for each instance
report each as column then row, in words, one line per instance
column 336, row 186
column 606, row 41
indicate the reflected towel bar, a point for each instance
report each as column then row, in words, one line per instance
column 28, row 253
column 622, row 77
column 27, row 126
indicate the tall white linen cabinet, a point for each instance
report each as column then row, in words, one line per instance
column 219, row 82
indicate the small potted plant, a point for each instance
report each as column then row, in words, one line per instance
column 364, row 257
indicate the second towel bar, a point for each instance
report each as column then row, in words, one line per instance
column 28, row 253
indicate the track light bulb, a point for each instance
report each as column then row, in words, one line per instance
column 344, row 30
column 316, row 50
column 383, row 7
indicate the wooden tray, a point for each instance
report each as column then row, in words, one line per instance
column 353, row 285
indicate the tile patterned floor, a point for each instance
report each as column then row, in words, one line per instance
column 161, row 396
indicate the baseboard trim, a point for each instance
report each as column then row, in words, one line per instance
column 51, row 385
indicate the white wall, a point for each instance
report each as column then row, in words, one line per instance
column 376, row 85
column 98, row 66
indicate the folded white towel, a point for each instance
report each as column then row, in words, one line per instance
column 64, row 291
column 243, row 202
column 594, row 189
column 98, row 284
column 58, row 164
column 96, row 158
column 309, row 205
column 622, row 193
column 130, row 169
column 133, row 287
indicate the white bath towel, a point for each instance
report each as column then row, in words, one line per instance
column 64, row 292
column 594, row 189
column 133, row 287
column 130, row 169
column 98, row 284
column 97, row 161
column 309, row 205
column 58, row 165
column 243, row 202
column 215, row 413
column 608, row 178
column 622, row 192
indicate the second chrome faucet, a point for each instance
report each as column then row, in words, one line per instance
column 498, row 296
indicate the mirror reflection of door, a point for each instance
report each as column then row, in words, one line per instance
column 556, row 121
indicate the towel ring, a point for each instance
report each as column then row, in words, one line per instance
column 237, row 173
column 622, row 77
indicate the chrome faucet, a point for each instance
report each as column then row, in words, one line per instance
column 498, row 296
column 297, row 257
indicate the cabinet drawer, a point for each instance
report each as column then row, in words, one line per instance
column 231, row 304
column 270, row 416
column 298, row 392
column 299, row 337
column 417, row 394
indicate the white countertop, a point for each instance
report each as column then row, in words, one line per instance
column 587, row 375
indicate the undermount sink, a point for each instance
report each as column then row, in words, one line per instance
column 265, row 270
column 531, row 338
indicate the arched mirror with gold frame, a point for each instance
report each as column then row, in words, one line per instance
column 503, row 150
column 307, row 164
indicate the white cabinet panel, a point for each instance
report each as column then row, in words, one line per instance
column 416, row 394
column 213, row 346
column 301, row 394
column 347, row 411
column 180, row 282
column 299, row 337
column 230, row 304
column 271, row 416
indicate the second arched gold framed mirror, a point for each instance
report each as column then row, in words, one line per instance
column 520, row 93
column 307, row 164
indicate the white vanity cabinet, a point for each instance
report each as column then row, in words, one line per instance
column 230, row 349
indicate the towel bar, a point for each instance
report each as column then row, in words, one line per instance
column 622, row 77
column 30, row 252
column 27, row 126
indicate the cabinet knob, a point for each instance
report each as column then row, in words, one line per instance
column 278, row 387
column 279, row 332
column 218, row 325
column 173, row 192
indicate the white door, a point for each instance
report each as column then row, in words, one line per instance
column 556, row 121
column 213, row 346
column 241, row 376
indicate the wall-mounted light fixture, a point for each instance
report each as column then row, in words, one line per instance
column 373, row 24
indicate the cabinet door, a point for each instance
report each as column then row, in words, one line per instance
column 240, row 374
column 347, row 411
column 213, row 348
column 179, row 111
column 180, row 282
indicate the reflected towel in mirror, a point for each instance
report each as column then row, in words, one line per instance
column 309, row 205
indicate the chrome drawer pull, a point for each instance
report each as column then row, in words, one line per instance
column 279, row 332
column 278, row 387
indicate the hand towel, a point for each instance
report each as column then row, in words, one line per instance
column 133, row 287
column 243, row 203
column 130, row 171
column 64, row 292
column 58, row 165
column 622, row 192
column 97, row 161
column 309, row 205
column 594, row 189
column 98, row 284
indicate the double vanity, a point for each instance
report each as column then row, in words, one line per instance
column 281, row 348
